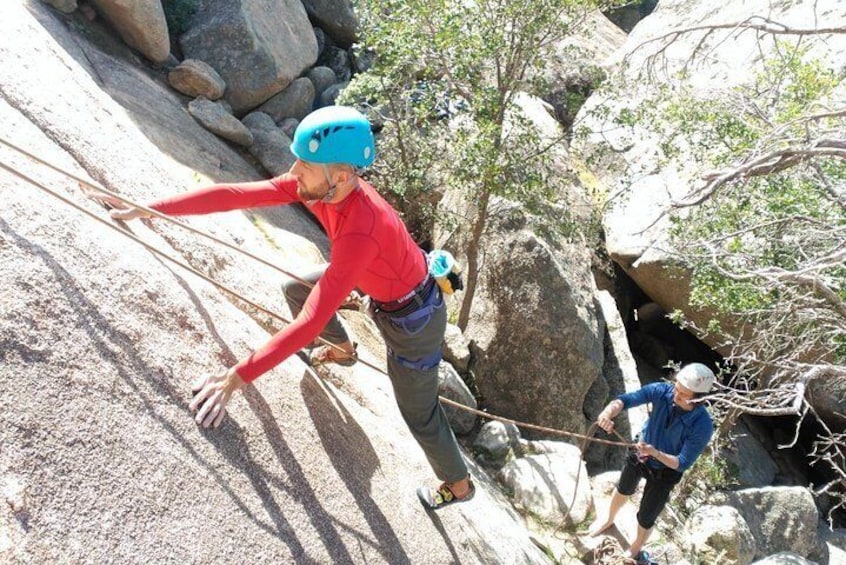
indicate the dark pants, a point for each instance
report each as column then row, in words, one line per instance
column 296, row 294
column 414, row 344
column 659, row 483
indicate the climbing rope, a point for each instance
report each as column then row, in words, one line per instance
column 150, row 211
column 610, row 552
column 551, row 431
column 233, row 292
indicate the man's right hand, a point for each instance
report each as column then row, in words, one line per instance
column 605, row 420
column 212, row 394
column 119, row 210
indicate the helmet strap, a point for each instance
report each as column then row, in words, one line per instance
column 333, row 187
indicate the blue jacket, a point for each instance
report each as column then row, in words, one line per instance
column 669, row 428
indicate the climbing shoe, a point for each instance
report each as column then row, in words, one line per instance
column 643, row 558
column 326, row 354
column 436, row 499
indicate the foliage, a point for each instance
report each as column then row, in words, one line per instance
column 763, row 231
column 761, row 242
column 445, row 83
column 178, row 14
column 762, row 234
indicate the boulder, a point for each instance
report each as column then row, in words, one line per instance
column 496, row 442
column 785, row 558
column 331, row 93
column 456, row 348
column 537, row 339
column 270, row 144
column 322, row 78
column 141, row 24
column 294, row 102
column 452, row 387
column 258, row 46
column 619, row 375
column 544, row 486
column 755, row 467
column 216, row 119
column 604, row 484
column 828, row 397
column 196, row 78
column 538, row 343
column 780, row 518
column 289, row 126
column 335, row 17
column 572, row 68
column 338, row 60
column 548, row 447
column 835, row 543
column 636, row 233
column 718, row 534
column 320, row 37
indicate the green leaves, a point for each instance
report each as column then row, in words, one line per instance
column 763, row 229
column 445, row 81
column 792, row 82
column 445, row 76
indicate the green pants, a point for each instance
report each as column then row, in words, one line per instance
column 414, row 381
column 416, row 389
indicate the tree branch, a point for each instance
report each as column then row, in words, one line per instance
column 772, row 162
column 756, row 23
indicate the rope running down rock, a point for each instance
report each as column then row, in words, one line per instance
column 235, row 294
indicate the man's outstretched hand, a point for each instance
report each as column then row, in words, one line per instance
column 119, row 210
column 212, row 394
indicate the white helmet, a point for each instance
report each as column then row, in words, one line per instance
column 696, row 377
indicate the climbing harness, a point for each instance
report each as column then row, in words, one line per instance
column 407, row 303
column 437, row 301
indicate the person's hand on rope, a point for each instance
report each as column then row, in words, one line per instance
column 119, row 210
column 212, row 394
column 605, row 420
column 645, row 450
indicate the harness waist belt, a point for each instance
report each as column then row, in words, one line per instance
column 421, row 292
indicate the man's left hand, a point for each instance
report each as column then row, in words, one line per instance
column 645, row 450
column 212, row 395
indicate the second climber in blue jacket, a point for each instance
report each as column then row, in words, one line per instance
column 673, row 437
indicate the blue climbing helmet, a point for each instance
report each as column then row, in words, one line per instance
column 335, row 134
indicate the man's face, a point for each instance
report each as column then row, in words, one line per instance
column 682, row 396
column 311, row 180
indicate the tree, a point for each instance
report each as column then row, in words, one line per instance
column 763, row 233
column 444, row 84
column 766, row 239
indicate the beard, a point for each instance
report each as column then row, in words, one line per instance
column 310, row 194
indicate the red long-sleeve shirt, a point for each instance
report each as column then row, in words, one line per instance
column 371, row 250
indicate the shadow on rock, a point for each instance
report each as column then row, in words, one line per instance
column 344, row 442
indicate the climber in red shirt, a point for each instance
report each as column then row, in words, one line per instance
column 372, row 252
